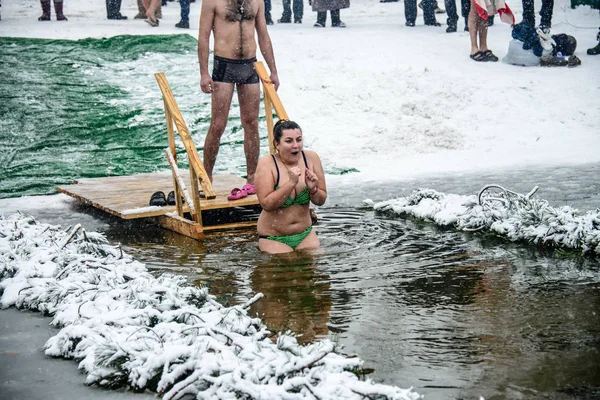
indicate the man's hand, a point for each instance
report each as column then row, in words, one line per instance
column 275, row 80
column 206, row 84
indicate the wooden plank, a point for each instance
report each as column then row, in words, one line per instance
column 181, row 225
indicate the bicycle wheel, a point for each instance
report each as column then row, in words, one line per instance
column 493, row 197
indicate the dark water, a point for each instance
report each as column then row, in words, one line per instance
column 456, row 315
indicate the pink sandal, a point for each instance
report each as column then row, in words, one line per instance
column 237, row 194
column 249, row 188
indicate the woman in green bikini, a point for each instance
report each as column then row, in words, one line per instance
column 286, row 183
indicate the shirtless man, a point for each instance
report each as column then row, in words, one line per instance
column 233, row 23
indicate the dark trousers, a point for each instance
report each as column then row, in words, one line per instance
column 268, row 9
column 322, row 17
column 287, row 10
column 410, row 11
column 113, row 8
column 185, row 10
column 545, row 12
column 465, row 7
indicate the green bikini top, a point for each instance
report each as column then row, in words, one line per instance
column 301, row 198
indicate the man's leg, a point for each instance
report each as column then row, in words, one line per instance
column 249, row 98
column 528, row 13
column 286, row 16
column 410, row 12
column 298, row 10
column 221, row 101
column 546, row 14
column 452, row 20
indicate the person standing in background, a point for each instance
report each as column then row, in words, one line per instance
column 184, row 23
column 298, row 11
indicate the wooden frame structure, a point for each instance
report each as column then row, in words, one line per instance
column 178, row 222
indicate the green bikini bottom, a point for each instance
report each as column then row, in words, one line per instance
column 291, row 240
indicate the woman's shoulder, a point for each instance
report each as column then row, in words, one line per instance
column 310, row 154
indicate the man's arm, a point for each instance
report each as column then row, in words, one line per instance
column 264, row 42
column 207, row 17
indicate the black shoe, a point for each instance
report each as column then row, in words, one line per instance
column 298, row 21
column 388, row 1
column 411, row 24
column 117, row 16
column 184, row 25
column 340, row 24
column 171, row 198
column 435, row 23
column 158, row 199
column 269, row 21
column 594, row 51
column 573, row 61
column 284, row 21
column 451, row 29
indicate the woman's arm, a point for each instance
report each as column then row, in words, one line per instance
column 315, row 179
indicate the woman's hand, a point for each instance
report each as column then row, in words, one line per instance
column 294, row 174
column 311, row 179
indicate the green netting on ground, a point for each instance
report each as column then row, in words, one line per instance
column 87, row 108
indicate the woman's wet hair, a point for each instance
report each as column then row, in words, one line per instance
column 280, row 126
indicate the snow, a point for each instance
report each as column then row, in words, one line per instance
column 533, row 221
column 394, row 102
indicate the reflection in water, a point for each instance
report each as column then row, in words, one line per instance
column 296, row 295
column 454, row 314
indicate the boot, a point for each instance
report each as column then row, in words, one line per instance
column 594, row 51
column 58, row 9
column 45, row 10
column 141, row 10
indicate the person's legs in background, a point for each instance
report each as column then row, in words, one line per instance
column 452, row 20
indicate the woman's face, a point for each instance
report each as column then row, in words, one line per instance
column 290, row 144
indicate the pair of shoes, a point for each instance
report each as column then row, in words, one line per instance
column 117, row 16
column 298, row 21
column 435, row 23
column 183, row 25
column 594, row 51
column 151, row 23
column 158, row 199
column 489, row 56
column 451, row 29
column 552, row 61
column 478, row 56
column 171, row 198
column 284, row 21
column 338, row 25
column 411, row 24
column 236, row 194
column 574, row 61
column 318, row 25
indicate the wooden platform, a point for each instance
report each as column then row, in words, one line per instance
column 128, row 196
